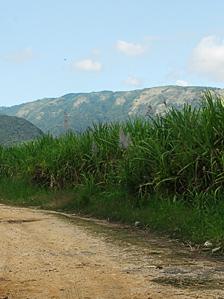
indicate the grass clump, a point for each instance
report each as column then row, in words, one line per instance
column 167, row 172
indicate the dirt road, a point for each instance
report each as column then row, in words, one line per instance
column 45, row 256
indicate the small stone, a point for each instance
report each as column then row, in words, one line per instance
column 137, row 223
column 214, row 250
column 208, row 244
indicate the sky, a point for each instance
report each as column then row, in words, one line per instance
column 49, row 48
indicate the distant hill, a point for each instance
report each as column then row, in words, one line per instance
column 14, row 130
column 78, row 111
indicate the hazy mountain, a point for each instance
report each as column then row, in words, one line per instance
column 14, row 130
column 79, row 110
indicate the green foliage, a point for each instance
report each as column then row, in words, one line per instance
column 150, row 170
column 178, row 154
column 19, row 192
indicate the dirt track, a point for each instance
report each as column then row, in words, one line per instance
column 46, row 256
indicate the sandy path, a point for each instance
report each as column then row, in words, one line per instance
column 46, row 256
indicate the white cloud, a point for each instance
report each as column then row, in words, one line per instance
column 152, row 38
column 21, row 56
column 208, row 58
column 182, row 83
column 130, row 49
column 96, row 52
column 133, row 81
column 88, row 65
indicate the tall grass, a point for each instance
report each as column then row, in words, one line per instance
column 175, row 158
column 180, row 154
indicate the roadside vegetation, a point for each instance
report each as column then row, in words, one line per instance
column 166, row 173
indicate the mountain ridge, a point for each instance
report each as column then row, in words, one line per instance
column 80, row 110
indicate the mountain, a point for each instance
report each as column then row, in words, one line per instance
column 14, row 130
column 78, row 111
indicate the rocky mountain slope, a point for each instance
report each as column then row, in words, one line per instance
column 78, row 111
column 14, row 130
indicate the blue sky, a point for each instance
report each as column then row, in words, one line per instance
column 49, row 48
